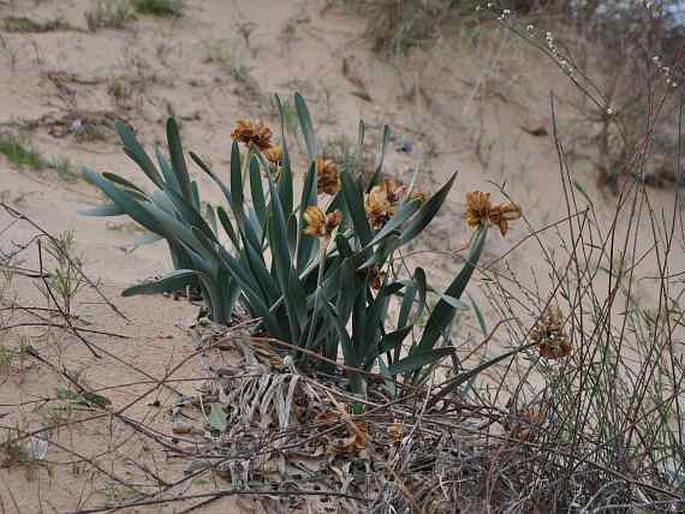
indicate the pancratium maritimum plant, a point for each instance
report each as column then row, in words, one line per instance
column 308, row 268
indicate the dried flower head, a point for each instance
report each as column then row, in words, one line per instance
column 356, row 441
column 378, row 207
column 327, row 176
column 527, row 429
column 376, row 277
column 256, row 133
column 319, row 224
column 355, row 435
column 274, row 154
column 421, row 196
column 380, row 203
column 396, row 431
column 480, row 211
column 549, row 335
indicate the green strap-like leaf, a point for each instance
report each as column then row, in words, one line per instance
column 379, row 168
column 178, row 161
column 237, row 205
column 393, row 340
column 210, row 216
column 466, row 376
column 443, row 313
column 422, row 288
column 228, row 226
column 226, row 192
column 257, row 192
column 479, row 316
column 291, row 288
column 117, row 179
column 171, row 282
column 307, row 126
column 189, row 214
column 170, row 178
column 419, row 360
column 355, row 203
column 195, row 195
column 239, row 216
column 243, row 277
column 404, row 213
column 135, row 151
column 146, row 239
column 427, row 213
column 349, row 353
column 306, row 247
column 107, row 209
column 406, row 305
column 285, row 185
column 133, row 207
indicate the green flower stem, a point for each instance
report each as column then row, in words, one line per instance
column 319, row 281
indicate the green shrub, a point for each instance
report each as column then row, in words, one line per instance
column 305, row 268
column 157, row 7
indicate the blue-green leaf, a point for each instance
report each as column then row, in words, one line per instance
column 379, row 168
column 419, row 360
column 178, row 160
column 427, row 213
column 107, row 209
column 170, row 178
column 171, row 282
column 135, row 151
column 443, row 313
column 237, row 182
column 307, row 126
column 226, row 192
column 355, row 202
column 117, row 179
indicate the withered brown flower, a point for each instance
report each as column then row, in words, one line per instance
column 378, row 207
column 327, row 176
column 356, row 441
column 381, row 201
column 356, row 432
column 527, row 429
column 376, row 277
column 421, row 196
column 396, row 431
column 549, row 335
column 256, row 133
column 274, row 154
column 319, row 224
column 480, row 211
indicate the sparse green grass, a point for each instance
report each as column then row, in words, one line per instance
column 12, row 452
column 109, row 14
column 247, row 84
column 220, row 52
column 65, row 170
column 19, row 152
column 157, row 7
column 24, row 24
column 65, row 278
column 13, row 356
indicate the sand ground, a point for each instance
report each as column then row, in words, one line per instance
column 460, row 105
